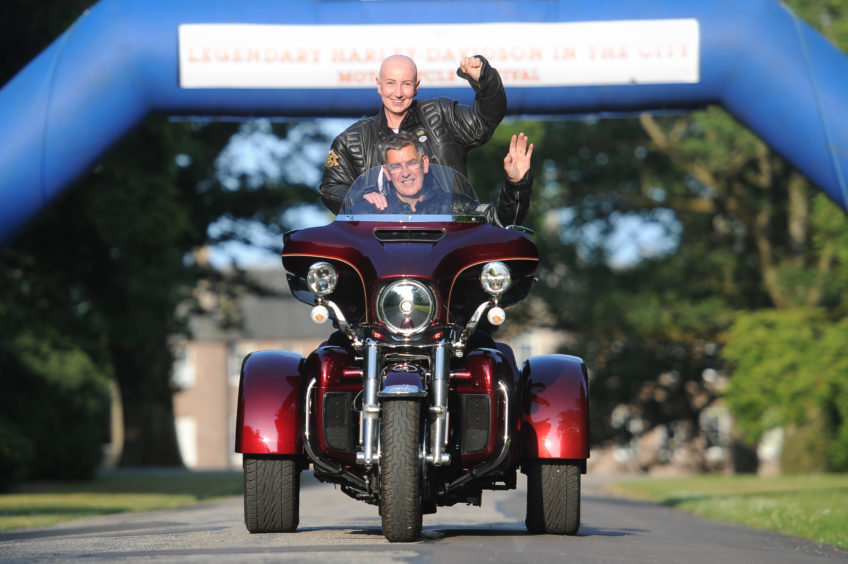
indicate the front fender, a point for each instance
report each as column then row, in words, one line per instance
column 555, row 408
column 402, row 385
column 269, row 404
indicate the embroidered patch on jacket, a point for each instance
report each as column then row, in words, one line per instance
column 332, row 159
column 421, row 135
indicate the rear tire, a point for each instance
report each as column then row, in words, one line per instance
column 400, row 471
column 271, row 494
column 553, row 498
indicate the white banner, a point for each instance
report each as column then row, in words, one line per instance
column 525, row 54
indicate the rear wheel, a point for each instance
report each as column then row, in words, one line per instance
column 400, row 471
column 271, row 494
column 553, row 498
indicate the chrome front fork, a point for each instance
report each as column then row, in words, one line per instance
column 370, row 407
column 439, row 409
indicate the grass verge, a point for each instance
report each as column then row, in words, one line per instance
column 811, row 506
column 39, row 504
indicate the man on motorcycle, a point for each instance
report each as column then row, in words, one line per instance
column 446, row 129
column 411, row 188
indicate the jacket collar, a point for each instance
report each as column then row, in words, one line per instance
column 410, row 120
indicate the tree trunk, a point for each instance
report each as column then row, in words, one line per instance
column 143, row 373
column 150, row 437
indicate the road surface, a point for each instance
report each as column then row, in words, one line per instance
column 334, row 527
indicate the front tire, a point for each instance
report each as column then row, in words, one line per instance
column 271, row 494
column 553, row 498
column 400, row 471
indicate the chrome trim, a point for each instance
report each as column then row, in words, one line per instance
column 334, row 276
column 405, row 390
column 317, row 461
column 370, row 407
column 344, row 326
column 459, row 344
column 411, row 218
column 417, row 289
column 486, row 467
column 439, row 409
column 521, row 228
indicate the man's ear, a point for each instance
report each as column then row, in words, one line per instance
column 426, row 160
column 386, row 172
column 415, row 92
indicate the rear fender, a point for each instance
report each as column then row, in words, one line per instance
column 269, row 404
column 554, row 408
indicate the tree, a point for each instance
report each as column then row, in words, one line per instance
column 736, row 231
column 109, row 269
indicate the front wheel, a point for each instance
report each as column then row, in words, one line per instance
column 553, row 498
column 271, row 494
column 400, row 471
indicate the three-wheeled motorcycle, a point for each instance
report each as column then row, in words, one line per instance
column 411, row 404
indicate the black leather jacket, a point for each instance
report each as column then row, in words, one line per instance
column 445, row 128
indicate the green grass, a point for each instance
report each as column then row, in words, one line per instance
column 40, row 504
column 813, row 507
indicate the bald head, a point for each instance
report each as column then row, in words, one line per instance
column 397, row 85
column 401, row 63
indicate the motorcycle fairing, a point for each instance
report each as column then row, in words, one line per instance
column 268, row 420
column 449, row 263
column 555, row 408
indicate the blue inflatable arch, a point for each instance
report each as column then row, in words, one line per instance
column 122, row 60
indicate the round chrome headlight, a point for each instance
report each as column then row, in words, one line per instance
column 406, row 307
column 495, row 278
column 321, row 278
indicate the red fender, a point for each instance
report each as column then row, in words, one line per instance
column 269, row 404
column 555, row 407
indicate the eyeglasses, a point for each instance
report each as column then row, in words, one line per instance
column 394, row 168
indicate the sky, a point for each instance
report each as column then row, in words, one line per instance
column 259, row 154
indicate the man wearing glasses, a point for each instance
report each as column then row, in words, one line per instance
column 445, row 128
column 412, row 190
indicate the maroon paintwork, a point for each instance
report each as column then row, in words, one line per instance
column 353, row 244
column 555, row 410
column 269, row 404
column 549, row 398
column 334, row 370
column 483, row 369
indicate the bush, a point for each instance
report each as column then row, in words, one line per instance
column 55, row 409
column 789, row 371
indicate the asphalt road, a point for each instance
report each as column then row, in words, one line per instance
column 334, row 527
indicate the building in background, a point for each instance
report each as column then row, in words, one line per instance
column 208, row 365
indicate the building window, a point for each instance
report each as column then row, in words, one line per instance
column 187, row 439
column 183, row 376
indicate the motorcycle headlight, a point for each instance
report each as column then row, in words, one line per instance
column 406, row 307
column 321, row 278
column 495, row 278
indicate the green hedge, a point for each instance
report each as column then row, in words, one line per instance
column 54, row 414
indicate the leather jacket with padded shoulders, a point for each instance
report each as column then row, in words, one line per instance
column 446, row 129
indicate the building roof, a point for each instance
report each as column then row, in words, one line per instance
column 278, row 316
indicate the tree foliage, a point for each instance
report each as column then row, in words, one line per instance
column 723, row 235
column 102, row 279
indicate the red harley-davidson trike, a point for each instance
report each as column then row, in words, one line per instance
column 410, row 404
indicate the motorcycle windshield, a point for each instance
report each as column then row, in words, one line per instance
column 412, row 191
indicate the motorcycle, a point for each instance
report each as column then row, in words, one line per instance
column 410, row 404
